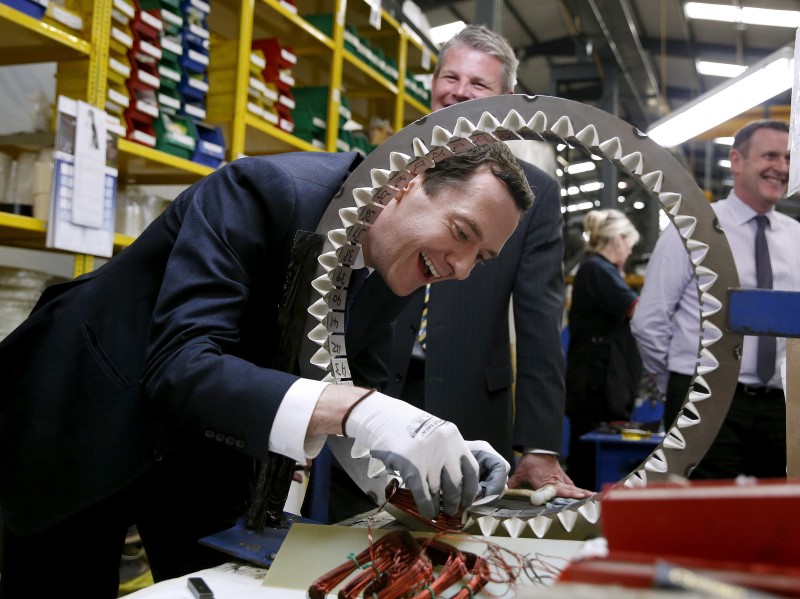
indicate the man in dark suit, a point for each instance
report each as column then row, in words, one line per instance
column 466, row 371
column 141, row 393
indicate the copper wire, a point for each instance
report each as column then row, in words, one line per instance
column 399, row 566
column 402, row 568
column 403, row 500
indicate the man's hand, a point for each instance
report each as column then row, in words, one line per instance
column 536, row 470
column 427, row 452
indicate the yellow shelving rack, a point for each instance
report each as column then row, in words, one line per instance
column 323, row 61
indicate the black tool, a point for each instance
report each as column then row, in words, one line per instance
column 200, row 589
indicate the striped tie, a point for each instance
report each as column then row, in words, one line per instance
column 422, row 336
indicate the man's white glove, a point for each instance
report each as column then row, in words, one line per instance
column 493, row 471
column 427, row 452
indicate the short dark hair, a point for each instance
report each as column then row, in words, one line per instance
column 741, row 140
column 457, row 170
column 483, row 39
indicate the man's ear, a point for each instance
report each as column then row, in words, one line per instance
column 736, row 159
column 409, row 186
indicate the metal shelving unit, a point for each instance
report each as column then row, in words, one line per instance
column 326, row 62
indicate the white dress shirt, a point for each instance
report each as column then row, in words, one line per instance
column 666, row 324
column 288, row 435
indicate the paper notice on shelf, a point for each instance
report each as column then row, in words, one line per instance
column 84, row 186
column 90, row 166
column 374, row 12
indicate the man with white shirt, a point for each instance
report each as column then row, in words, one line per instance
column 141, row 393
column 766, row 250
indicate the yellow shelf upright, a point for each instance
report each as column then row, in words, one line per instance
column 335, row 90
column 82, row 264
column 239, row 122
column 96, row 89
column 402, row 67
column 98, row 59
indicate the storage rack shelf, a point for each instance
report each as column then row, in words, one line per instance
column 24, row 39
column 323, row 61
column 29, row 233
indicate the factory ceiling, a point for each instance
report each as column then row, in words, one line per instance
column 636, row 59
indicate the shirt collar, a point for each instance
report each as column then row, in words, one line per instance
column 743, row 213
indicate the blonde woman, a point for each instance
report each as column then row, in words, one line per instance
column 603, row 363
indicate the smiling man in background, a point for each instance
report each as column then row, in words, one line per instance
column 766, row 249
column 465, row 371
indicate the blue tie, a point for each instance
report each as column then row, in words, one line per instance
column 766, row 345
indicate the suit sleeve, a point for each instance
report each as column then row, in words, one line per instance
column 214, row 325
column 666, row 279
column 538, row 300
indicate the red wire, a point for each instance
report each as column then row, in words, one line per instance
column 398, row 566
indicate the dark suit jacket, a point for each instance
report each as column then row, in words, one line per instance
column 170, row 339
column 468, row 367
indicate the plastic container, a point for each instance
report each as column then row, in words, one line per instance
column 18, row 199
column 193, row 87
column 175, row 135
column 5, row 172
column 283, row 57
column 169, row 100
column 144, row 101
column 210, row 149
column 195, row 56
column 146, row 29
column 29, row 7
column 42, row 179
column 19, row 291
column 140, row 129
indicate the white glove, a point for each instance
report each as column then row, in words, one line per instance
column 427, row 452
column 493, row 470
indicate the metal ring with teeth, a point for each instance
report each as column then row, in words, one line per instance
column 513, row 117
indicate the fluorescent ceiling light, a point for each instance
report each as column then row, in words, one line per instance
column 580, row 206
column 580, row 167
column 442, row 33
column 574, row 190
column 757, row 84
column 724, row 163
column 719, row 69
column 724, row 141
column 728, row 13
column 593, row 186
